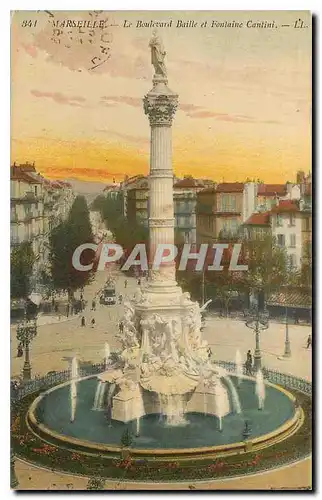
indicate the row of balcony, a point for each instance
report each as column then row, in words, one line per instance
column 27, row 197
column 26, row 217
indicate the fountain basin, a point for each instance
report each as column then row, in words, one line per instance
column 49, row 418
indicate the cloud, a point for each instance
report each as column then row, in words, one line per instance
column 130, row 101
column 90, row 174
column 60, row 98
column 126, row 137
column 189, row 108
column 193, row 112
column 205, row 114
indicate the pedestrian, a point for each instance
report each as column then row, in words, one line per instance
column 83, row 321
column 19, row 351
column 209, row 351
column 139, row 281
column 296, row 319
column 121, row 326
column 120, row 298
column 125, row 284
column 249, row 363
column 93, row 322
column 93, row 305
column 81, row 296
column 309, row 341
column 56, row 308
column 67, row 310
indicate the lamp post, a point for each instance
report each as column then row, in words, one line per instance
column 287, row 346
column 13, row 478
column 257, row 321
column 26, row 332
column 203, row 287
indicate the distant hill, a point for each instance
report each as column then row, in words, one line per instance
column 88, row 189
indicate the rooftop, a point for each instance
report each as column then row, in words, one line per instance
column 271, row 189
column 16, row 174
column 258, row 219
column 230, row 187
column 189, row 182
column 286, row 206
column 25, row 167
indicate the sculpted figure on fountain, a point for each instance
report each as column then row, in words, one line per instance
column 193, row 325
column 128, row 336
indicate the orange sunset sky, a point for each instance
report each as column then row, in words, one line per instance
column 245, row 95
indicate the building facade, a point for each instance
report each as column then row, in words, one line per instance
column 27, row 222
column 137, row 201
column 220, row 211
column 185, row 200
column 37, row 206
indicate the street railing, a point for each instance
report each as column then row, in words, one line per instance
column 274, row 376
column 55, row 378
column 51, row 379
column 240, row 315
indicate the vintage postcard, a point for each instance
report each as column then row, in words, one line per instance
column 161, row 260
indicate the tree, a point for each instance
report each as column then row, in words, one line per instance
column 267, row 265
column 126, row 234
column 63, row 241
column 225, row 284
column 22, row 260
column 126, row 439
column 98, row 203
column 190, row 281
column 305, row 275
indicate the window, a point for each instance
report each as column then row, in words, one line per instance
column 182, row 221
column 227, row 203
column 230, row 226
column 187, row 237
column 260, row 233
column 281, row 240
column 182, row 207
column 279, row 220
column 234, row 226
column 293, row 240
column 292, row 220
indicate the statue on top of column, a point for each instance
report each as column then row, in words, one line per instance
column 157, row 54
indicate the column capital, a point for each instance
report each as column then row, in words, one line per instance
column 160, row 108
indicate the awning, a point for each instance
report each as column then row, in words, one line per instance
column 291, row 298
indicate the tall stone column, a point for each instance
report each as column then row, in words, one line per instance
column 160, row 105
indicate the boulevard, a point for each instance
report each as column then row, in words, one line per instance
column 55, row 344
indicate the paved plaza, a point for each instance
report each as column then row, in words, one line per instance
column 57, row 343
